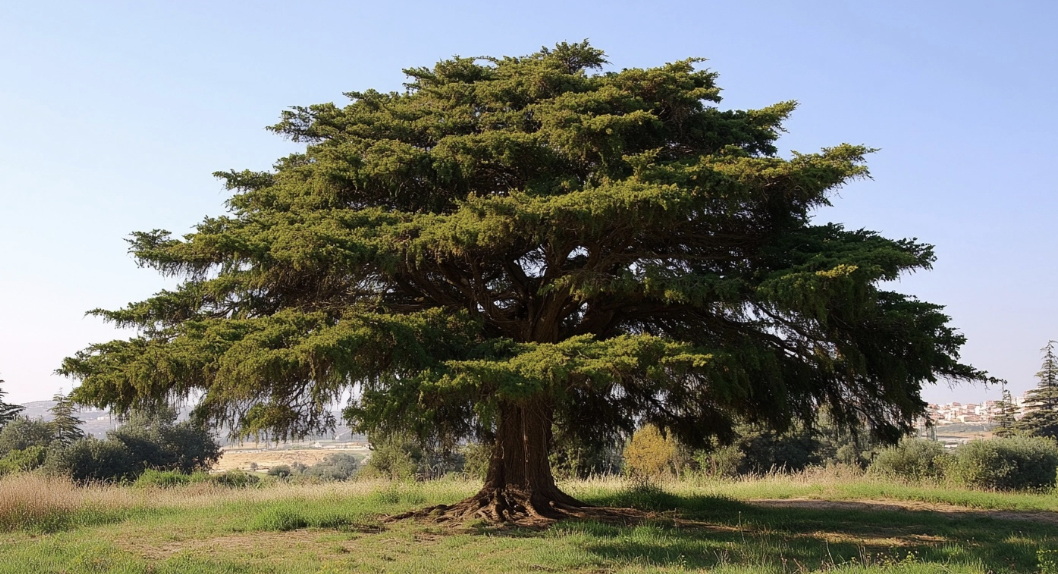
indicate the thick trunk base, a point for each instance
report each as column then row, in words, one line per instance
column 513, row 505
column 519, row 487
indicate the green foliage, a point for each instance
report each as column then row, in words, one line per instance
column 23, row 433
column 8, row 412
column 67, row 427
column 649, row 455
column 157, row 441
column 1005, row 418
column 515, row 231
column 1041, row 417
column 280, row 471
column 22, row 460
column 168, row 478
column 235, row 479
column 146, row 442
column 281, row 519
column 337, row 466
column 719, row 461
column 574, row 457
column 1006, row 463
column 767, row 450
column 393, row 457
column 1048, row 560
column 912, row 459
column 476, row 457
column 92, row 460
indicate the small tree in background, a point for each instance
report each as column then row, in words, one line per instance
column 67, row 427
column 23, row 433
column 1041, row 404
column 7, row 412
column 1005, row 415
column 650, row 454
column 155, row 440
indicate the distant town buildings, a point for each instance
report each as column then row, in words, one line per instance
column 959, row 413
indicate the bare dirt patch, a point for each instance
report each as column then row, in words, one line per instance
column 266, row 459
column 905, row 505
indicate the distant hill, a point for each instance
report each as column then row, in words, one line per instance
column 98, row 422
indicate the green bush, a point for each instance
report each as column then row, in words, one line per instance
column 1014, row 463
column 337, row 467
column 650, row 455
column 393, row 458
column 23, row 433
column 235, row 479
column 476, row 458
column 23, row 460
column 720, row 461
column 912, row 459
column 155, row 440
column 767, row 450
column 279, row 471
column 90, row 459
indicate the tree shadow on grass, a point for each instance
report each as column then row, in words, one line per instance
column 706, row 532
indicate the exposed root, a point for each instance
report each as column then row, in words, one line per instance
column 505, row 506
column 515, row 508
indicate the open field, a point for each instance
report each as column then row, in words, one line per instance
column 808, row 522
column 267, row 458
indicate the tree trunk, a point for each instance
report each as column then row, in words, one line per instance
column 519, row 481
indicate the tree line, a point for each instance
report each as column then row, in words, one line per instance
column 147, row 440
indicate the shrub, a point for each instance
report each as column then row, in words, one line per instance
column 392, row 458
column 720, row 461
column 1006, row 463
column 911, row 459
column 767, row 450
column 338, row 466
column 23, row 433
column 279, row 471
column 476, row 458
column 155, row 440
column 90, row 459
column 235, row 479
column 23, row 460
column 649, row 455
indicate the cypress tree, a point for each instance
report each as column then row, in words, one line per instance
column 1005, row 420
column 66, row 425
column 1041, row 404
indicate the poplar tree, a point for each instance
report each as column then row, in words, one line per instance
column 1041, row 403
column 511, row 245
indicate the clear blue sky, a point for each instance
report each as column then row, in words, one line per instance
column 116, row 113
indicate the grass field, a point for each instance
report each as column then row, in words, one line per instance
column 781, row 524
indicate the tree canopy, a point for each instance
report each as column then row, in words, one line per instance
column 513, row 243
column 65, row 423
column 7, row 412
column 1041, row 403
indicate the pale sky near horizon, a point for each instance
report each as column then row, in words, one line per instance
column 116, row 114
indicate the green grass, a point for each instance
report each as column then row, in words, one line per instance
column 705, row 526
